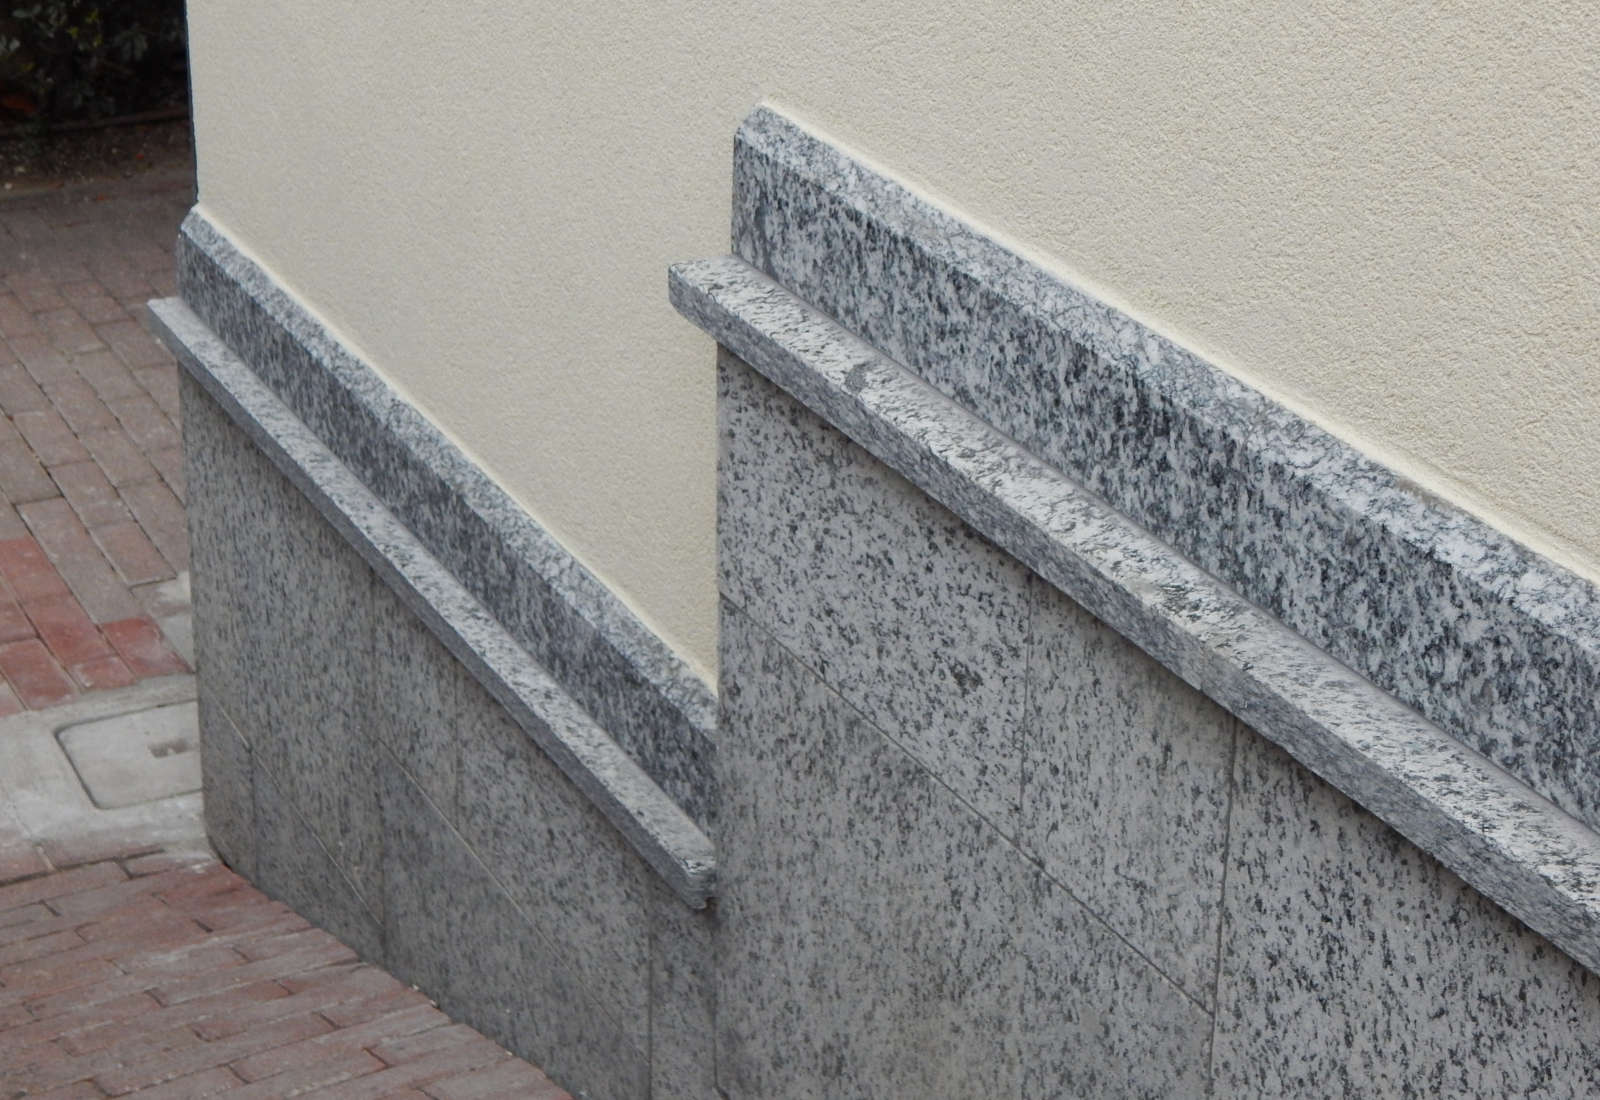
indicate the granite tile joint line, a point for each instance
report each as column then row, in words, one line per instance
column 1503, row 838
column 658, row 829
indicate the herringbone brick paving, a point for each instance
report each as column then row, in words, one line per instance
column 154, row 978
column 91, row 468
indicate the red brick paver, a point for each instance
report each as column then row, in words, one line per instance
column 148, row 977
column 91, row 470
column 139, row 643
column 51, row 647
column 38, row 678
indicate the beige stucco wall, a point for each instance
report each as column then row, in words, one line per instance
column 1384, row 214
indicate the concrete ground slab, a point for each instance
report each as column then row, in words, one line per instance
column 126, row 759
column 44, row 805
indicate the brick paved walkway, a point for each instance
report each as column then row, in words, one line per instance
column 146, row 974
column 140, row 977
column 92, row 535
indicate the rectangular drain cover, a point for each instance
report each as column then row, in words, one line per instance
column 140, row 757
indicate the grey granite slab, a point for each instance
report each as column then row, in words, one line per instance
column 209, row 471
column 1355, row 965
column 1505, row 839
column 664, row 835
column 1126, row 773
column 302, row 604
column 293, row 866
column 867, row 917
column 878, row 938
column 455, row 931
column 558, row 856
column 229, row 792
column 631, row 683
column 1490, row 641
column 539, row 1004
column 683, row 998
column 312, row 610
column 903, row 609
column 416, row 699
column 210, row 464
column 425, row 866
column 1097, row 1019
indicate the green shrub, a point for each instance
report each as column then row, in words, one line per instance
column 69, row 60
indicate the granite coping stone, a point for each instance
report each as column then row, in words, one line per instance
column 1510, row 843
column 665, row 837
column 1493, row 642
column 631, row 682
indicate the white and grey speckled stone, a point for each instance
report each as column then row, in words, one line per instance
column 1097, row 1019
column 1355, row 965
column 924, row 627
column 640, row 691
column 209, row 469
column 658, row 829
column 293, row 866
column 683, row 995
column 558, row 857
column 1503, row 838
column 1492, row 642
column 424, row 862
column 902, row 608
column 866, row 944
column 455, row 932
column 227, row 779
column 309, row 620
column 416, row 699
column 568, row 1034
column 1126, row 772
column 878, row 938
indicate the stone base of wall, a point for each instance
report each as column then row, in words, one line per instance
column 973, row 841
column 1087, row 726
column 357, row 770
column 976, row 843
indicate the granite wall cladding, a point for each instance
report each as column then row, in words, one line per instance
column 633, row 685
column 1355, row 965
column 292, row 581
column 881, row 938
column 372, row 782
column 657, row 828
column 1487, row 639
column 1510, row 843
column 1003, row 689
column 1142, row 897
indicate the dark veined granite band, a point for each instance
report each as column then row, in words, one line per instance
column 635, row 687
column 664, row 836
column 1492, row 642
column 1509, row 843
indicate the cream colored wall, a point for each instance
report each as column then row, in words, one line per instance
column 1384, row 214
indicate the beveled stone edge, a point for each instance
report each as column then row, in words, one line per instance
column 656, row 827
column 1528, row 612
column 1512, row 845
column 661, row 671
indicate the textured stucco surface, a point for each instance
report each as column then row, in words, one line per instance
column 1383, row 216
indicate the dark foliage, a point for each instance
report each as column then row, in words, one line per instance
column 82, row 60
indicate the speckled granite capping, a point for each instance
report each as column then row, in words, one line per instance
column 663, row 835
column 1492, row 642
column 1512, row 845
column 633, row 684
